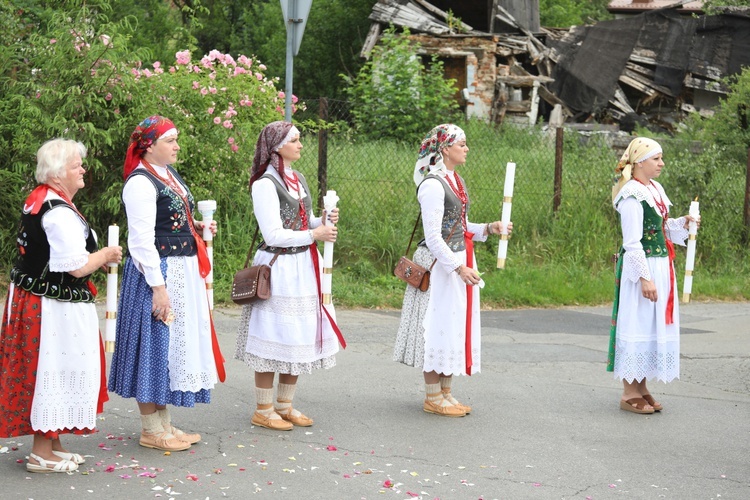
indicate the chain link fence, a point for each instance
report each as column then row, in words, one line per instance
column 559, row 175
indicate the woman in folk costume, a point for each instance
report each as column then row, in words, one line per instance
column 166, row 351
column 645, row 333
column 52, row 379
column 291, row 333
column 440, row 328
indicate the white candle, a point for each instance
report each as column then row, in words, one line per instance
column 687, row 287
column 329, row 203
column 207, row 209
column 502, row 249
column 113, row 240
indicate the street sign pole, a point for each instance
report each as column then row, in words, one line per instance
column 290, row 18
column 295, row 18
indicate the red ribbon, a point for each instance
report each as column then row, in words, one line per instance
column 469, row 298
column 218, row 356
column 670, row 301
column 316, row 265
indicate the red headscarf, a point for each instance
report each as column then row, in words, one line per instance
column 144, row 135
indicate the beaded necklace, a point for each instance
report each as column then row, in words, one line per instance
column 461, row 194
column 659, row 202
column 292, row 183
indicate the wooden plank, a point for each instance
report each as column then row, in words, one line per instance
column 372, row 39
column 646, row 81
column 518, row 106
column 524, row 81
column 637, row 85
column 620, row 101
column 711, row 86
column 427, row 6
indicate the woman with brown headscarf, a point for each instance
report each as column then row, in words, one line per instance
column 292, row 332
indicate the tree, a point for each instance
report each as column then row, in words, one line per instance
column 395, row 95
column 71, row 73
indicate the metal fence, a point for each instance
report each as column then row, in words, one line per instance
column 557, row 172
column 376, row 176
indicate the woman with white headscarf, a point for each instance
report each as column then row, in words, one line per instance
column 440, row 328
column 645, row 333
column 291, row 333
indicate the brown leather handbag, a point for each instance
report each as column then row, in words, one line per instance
column 254, row 282
column 414, row 274
column 410, row 272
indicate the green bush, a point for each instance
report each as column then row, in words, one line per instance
column 395, row 96
column 76, row 76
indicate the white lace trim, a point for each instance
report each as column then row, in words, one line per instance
column 641, row 193
column 649, row 360
column 634, row 266
column 191, row 365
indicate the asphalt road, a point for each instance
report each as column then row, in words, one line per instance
column 545, row 425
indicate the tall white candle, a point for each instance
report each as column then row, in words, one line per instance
column 687, row 287
column 113, row 239
column 326, row 283
column 502, row 249
column 207, row 209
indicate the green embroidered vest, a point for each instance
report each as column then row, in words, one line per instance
column 654, row 244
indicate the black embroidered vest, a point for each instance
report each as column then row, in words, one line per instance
column 289, row 210
column 31, row 271
column 172, row 234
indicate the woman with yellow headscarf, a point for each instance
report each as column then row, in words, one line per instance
column 645, row 333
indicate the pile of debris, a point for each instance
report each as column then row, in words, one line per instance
column 652, row 68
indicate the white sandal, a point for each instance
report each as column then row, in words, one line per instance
column 73, row 457
column 61, row 466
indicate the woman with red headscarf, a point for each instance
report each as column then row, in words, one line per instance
column 292, row 332
column 165, row 350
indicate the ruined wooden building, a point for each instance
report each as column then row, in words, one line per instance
column 651, row 68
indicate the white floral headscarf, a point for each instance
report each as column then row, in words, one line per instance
column 430, row 157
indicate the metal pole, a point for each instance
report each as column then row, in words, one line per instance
column 292, row 16
column 557, row 190
column 746, row 217
column 322, row 151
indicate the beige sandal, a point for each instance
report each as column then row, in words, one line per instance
column 46, row 466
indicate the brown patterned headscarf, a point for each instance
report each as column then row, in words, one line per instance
column 272, row 137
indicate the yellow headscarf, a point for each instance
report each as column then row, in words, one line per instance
column 639, row 149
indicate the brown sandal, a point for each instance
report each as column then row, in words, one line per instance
column 650, row 400
column 636, row 405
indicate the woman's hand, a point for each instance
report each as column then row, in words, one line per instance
column 690, row 218
column 468, row 275
column 497, row 227
column 213, row 227
column 325, row 233
column 160, row 307
column 333, row 217
column 649, row 289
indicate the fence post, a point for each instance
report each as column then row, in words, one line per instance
column 557, row 193
column 746, row 217
column 322, row 151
